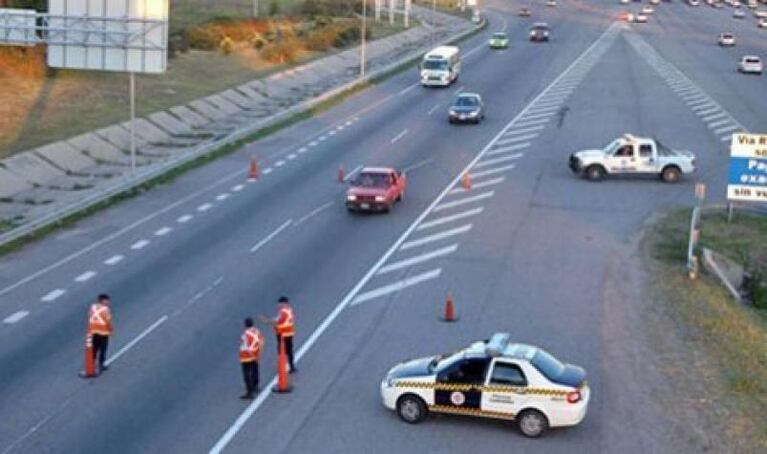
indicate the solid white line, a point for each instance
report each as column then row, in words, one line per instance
column 399, row 136
column 135, row 341
column 451, row 218
column 502, row 150
column 492, row 171
column 463, row 201
column 246, row 414
column 163, row 231
column 237, row 188
column 405, row 90
column 458, row 90
column 204, row 207
column 481, row 184
column 431, row 111
column 313, row 213
column 716, row 115
column 516, row 139
column 397, row 286
column 53, row 295
column 86, row 276
column 435, row 237
column 269, row 237
column 279, row 163
column 491, row 162
column 184, row 219
column 114, row 260
column 425, row 257
column 15, row 317
column 267, row 171
column 140, row 244
column 291, row 157
column 514, row 132
column 726, row 129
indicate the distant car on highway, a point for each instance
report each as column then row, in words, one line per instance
column 738, row 14
column 551, row 2
column 540, row 32
column 762, row 22
column 499, row 40
column 524, row 12
column 726, row 39
column 375, row 189
column 640, row 18
column 624, row 2
column 655, row 2
column 441, row 66
column 467, row 108
column 631, row 155
column 751, row 64
column 495, row 378
column 693, row 2
column 648, row 10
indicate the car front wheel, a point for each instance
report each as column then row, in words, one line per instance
column 532, row 423
column 411, row 409
column 595, row 172
column 670, row 174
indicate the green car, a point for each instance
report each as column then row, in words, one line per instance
column 499, row 40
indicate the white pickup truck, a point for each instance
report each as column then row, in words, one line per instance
column 633, row 155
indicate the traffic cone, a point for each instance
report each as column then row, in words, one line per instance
column 253, row 170
column 282, row 386
column 90, row 366
column 466, row 181
column 449, row 309
column 341, row 174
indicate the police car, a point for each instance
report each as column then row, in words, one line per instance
column 492, row 379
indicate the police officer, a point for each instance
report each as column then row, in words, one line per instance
column 100, row 327
column 251, row 342
column 284, row 328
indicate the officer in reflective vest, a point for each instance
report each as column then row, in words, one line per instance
column 251, row 342
column 284, row 328
column 100, row 328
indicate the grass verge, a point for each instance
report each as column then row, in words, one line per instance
column 725, row 342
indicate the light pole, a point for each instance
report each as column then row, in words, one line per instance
column 362, row 37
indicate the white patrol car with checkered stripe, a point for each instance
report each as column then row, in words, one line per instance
column 494, row 379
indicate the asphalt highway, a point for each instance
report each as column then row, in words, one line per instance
column 529, row 249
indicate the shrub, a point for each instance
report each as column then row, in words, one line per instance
column 283, row 51
column 203, row 38
column 350, row 36
column 322, row 39
column 274, row 8
column 226, row 45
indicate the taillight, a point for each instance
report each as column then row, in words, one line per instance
column 573, row 397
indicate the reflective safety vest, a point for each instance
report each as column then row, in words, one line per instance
column 284, row 326
column 250, row 345
column 100, row 320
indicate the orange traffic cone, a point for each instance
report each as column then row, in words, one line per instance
column 449, row 309
column 253, row 170
column 282, row 371
column 466, row 181
column 341, row 174
column 90, row 366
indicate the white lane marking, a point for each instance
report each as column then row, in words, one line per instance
column 302, row 150
column 399, row 136
column 223, row 196
column 86, row 276
column 463, row 201
column 484, row 184
column 268, row 170
column 238, row 188
column 708, row 111
column 417, row 165
column 514, row 132
column 431, row 111
column 707, row 105
column 140, row 244
column 15, row 317
column 271, row 236
column 726, row 138
column 321, row 138
column 492, row 171
column 407, row 89
column 291, row 157
column 251, row 409
column 451, row 218
column 135, row 341
column 546, row 110
column 697, row 100
column 532, row 122
column 351, row 174
column 114, row 260
column 349, row 122
column 726, row 129
column 396, row 286
column 313, row 213
column 715, row 124
column 687, row 90
column 340, row 127
column 459, row 89
column 714, row 116
column 425, row 257
column 53, row 295
column 490, row 162
column 184, row 219
column 330, row 133
column 163, row 231
column 313, row 143
column 435, row 237
column 530, row 117
column 549, row 103
column 279, row 163
column 510, row 148
column 204, row 207
column 516, row 139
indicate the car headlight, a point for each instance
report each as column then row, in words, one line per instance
column 351, row 197
column 452, row 112
column 532, row 33
column 473, row 114
column 380, row 198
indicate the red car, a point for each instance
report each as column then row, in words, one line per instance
column 375, row 189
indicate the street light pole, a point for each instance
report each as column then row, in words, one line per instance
column 362, row 38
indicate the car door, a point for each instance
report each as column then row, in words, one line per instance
column 460, row 386
column 505, row 389
column 646, row 162
column 393, row 190
column 621, row 159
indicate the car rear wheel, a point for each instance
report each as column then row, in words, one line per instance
column 595, row 172
column 532, row 423
column 670, row 174
column 411, row 409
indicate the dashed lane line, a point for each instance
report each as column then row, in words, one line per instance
column 135, row 340
column 53, row 295
column 302, row 150
column 431, row 111
column 86, row 276
column 271, row 236
column 451, row 218
column 425, row 257
column 399, row 136
column 204, row 207
column 140, row 244
column 163, row 231
column 222, row 197
column 279, row 163
column 114, row 260
column 238, row 188
column 435, row 237
column 313, row 213
column 184, row 218
column 463, row 201
column 396, row 286
column 15, row 317
column 291, row 156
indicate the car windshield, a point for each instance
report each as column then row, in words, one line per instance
column 371, row 180
column 499, row 35
column 435, row 64
column 546, row 364
column 613, row 146
column 466, row 101
column 442, row 362
column 540, row 28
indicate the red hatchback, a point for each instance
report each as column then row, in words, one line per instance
column 375, row 189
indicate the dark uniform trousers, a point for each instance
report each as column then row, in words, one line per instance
column 100, row 344
column 288, row 349
column 250, row 374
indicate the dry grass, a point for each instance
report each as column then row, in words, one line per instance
column 728, row 339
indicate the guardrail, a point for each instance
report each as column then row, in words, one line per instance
column 130, row 182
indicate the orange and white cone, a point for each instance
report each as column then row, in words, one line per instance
column 449, row 315
column 466, row 181
column 253, row 170
column 283, row 384
column 341, row 174
column 90, row 364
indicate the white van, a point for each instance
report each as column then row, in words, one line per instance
column 441, row 66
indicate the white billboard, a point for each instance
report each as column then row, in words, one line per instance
column 747, row 180
column 108, row 35
column 17, row 27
